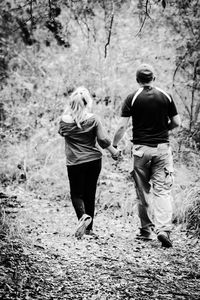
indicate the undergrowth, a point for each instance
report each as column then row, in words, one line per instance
column 38, row 164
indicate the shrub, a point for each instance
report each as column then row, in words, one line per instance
column 192, row 215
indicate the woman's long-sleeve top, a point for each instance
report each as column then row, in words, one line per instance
column 81, row 143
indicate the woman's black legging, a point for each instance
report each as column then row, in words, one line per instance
column 83, row 183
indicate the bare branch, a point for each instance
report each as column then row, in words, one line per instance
column 29, row 19
column 146, row 9
column 178, row 65
column 24, row 22
column 184, row 103
column 110, row 31
column 31, row 13
column 20, row 7
column 194, row 115
column 50, row 9
column 80, row 25
column 145, row 17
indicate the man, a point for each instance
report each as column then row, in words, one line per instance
column 153, row 114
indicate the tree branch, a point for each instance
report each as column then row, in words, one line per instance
column 50, row 9
column 145, row 17
column 185, row 105
column 178, row 65
column 31, row 13
column 110, row 31
column 194, row 114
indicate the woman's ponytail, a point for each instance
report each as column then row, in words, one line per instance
column 80, row 101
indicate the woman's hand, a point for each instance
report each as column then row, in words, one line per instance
column 117, row 155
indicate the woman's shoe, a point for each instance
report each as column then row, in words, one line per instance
column 91, row 234
column 145, row 235
column 83, row 223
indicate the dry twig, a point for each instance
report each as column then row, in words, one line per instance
column 110, row 30
column 145, row 17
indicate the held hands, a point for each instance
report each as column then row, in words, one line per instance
column 117, row 155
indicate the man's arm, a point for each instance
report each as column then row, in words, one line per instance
column 175, row 121
column 121, row 129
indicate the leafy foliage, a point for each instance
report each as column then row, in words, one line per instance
column 47, row 49
column 192, row 216
column 20, row 19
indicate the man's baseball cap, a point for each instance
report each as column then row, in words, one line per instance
column 144, row 73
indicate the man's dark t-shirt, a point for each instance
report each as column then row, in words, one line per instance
column 150, row 109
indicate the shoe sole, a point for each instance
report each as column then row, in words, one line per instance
column 83, row 223
column 92, row 236
column 144, row 238
column 165, row 241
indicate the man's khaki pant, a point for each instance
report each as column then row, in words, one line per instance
column 153, row 169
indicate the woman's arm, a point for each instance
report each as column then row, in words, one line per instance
column 63, row 128
column 104, row 141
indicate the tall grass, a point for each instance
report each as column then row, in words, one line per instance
column 42, row 159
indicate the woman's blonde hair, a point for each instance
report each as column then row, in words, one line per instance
column 80, row 101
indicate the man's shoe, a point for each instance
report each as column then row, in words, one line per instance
column 84, row 221
column 163, row 237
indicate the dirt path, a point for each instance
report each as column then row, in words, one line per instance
column 48, row 262
column 53, row 264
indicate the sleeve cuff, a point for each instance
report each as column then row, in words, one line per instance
column 105, row 143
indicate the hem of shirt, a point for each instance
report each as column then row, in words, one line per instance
column 83, row 162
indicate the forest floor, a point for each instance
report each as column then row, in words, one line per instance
column 45, row 261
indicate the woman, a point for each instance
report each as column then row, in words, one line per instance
column 81, row 129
